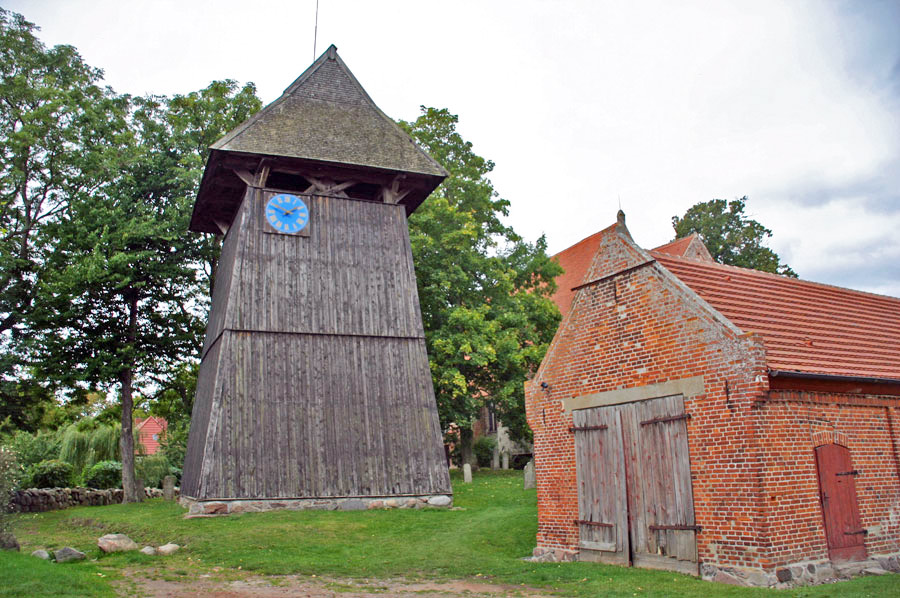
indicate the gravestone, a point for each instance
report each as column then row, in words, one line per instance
column 467, row 473
column 505, row 460
column 530, row 481
column 169, row 487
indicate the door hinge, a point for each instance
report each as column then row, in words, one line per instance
column 670, row 418
column 863, row 532
column 593, row 523
column 586, row 428
column 695, row 528
column 853, row 472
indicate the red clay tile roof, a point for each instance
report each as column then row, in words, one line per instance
column 676, row 247
column 807, row 327
column 576, row 261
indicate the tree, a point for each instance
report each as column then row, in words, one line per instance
column 730, row 236
column 124, row 298
column 196, row 121
column 56, row 146
column 484, row 292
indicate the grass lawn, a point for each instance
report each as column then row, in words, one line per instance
column 484, row 541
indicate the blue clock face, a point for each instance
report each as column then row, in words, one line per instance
column 287, row 213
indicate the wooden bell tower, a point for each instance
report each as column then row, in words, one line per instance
column 314, row 388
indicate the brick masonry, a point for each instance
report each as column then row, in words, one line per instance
column 751, row 450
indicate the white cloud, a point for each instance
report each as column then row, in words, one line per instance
column 663, row 104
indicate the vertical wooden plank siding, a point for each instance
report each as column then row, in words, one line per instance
column 602, row 513
column 324, row 387
column 197, row 439
column 352, row 275
column 222, row 288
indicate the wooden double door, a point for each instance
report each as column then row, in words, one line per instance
column 635, row 502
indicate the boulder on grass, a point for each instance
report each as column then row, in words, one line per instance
column 41, row 554
column 148, row 550
column 116, row 543
column 68, row 554
column 167, row 549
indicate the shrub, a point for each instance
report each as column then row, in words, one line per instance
column 51, row 473
column 87, row 442
column 103, row 475
column 31, row 449
column 10, row 472
column 484, row 450
column 152, row 469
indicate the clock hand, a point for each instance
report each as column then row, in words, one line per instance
column 280, row 208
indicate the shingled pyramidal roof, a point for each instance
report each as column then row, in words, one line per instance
column 324, row 117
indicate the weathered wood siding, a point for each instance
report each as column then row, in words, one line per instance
column 222, row 286
column 323, row 416
column 352, row 275
column 322, row 387
column 197, row 440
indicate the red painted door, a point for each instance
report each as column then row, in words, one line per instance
column 837, row 491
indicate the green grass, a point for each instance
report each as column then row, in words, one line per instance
column 22, row 575
column 485, row 540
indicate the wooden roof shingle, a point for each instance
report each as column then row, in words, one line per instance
column 326, row 121
column 326, row 115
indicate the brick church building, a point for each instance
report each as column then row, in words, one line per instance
column 715, row 420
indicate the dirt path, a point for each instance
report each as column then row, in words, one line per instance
column 292, row 586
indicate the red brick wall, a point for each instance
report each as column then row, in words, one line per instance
column 794, row 423
column 639, row 328
column 752, row 461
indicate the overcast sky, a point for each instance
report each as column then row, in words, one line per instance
column 585, row 104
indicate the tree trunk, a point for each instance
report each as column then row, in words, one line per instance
column 126, row 442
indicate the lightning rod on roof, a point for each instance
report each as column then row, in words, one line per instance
column 316, row 30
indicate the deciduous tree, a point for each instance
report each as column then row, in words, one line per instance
column 730, row 236
column 57, row 145
column 124, row 298
column 484, row 292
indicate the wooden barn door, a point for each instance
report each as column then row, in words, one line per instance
column 635, row 500
column 837, row 491
column 661, row 505
column 600, row 470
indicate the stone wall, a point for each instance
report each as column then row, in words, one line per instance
column 38, row 500
column 203, row 508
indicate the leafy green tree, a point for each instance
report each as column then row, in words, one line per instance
column 196, row 121
column 124, row 298
column 484, row 292
column 730, row 236
column 54, row 148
